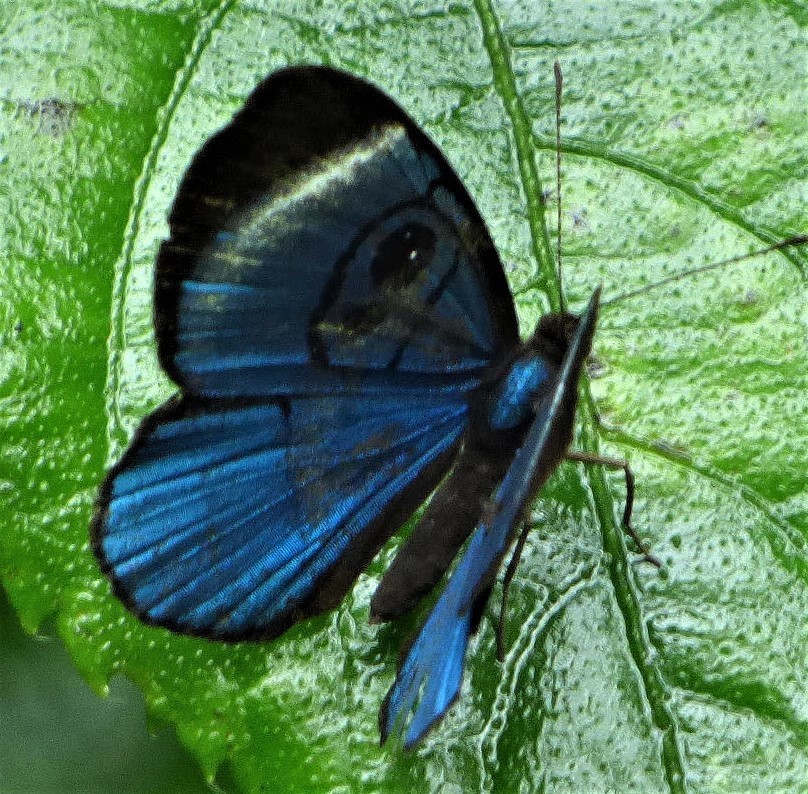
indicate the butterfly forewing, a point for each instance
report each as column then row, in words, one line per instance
column 345, row 252
column 220, row 519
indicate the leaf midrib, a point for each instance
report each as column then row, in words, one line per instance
column 638, row 641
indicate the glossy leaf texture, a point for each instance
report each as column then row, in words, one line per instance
column 685, row 143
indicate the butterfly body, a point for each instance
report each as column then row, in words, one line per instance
column 334, row 312
column 500, row 412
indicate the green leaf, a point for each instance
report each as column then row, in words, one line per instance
column 686, row 143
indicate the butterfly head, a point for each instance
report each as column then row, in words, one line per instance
column 553, row 336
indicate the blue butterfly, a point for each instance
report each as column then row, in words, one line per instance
column 340, row 327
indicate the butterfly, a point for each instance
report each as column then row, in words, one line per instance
column 340, row 327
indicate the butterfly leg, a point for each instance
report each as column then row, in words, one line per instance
column 617, row 463
column 513, row 564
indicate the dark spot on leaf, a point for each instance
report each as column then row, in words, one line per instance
column 52, row 116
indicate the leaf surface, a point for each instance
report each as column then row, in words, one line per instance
column 685, row 143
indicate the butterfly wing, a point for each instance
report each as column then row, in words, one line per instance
column 321, row 244
column 327, row 301
column 227, row 521
column 428, row 680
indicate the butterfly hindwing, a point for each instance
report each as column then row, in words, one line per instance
column 429, row 677
column 227, row 522
column 446, row 523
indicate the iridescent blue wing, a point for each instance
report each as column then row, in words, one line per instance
column 227, row 521
column 328, row 301
column 321, row 244
column 429, row 678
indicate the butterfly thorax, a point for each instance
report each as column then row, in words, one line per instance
column 515, row 392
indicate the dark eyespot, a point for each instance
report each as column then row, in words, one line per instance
column 402, row 255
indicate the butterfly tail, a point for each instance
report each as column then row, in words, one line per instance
column 429, row 679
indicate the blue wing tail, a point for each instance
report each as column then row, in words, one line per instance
column 429, row 679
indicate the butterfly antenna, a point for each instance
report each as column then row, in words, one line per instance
column 799, row 239
column 559, row 82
